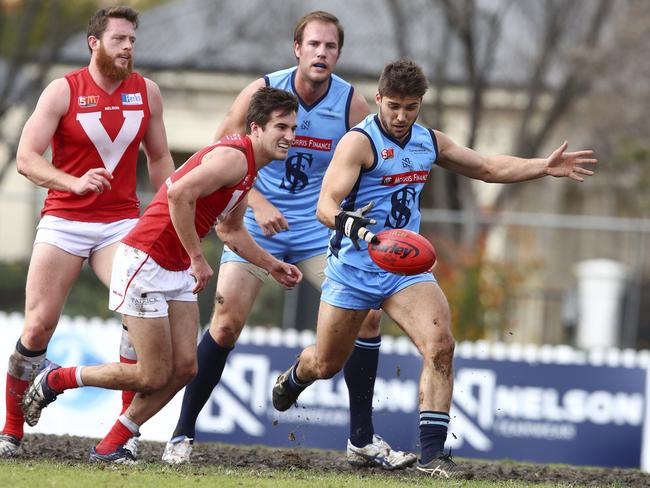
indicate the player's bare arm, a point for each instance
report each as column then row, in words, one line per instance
column 510, row 169
column 221, row 167
column 269, row 218
column 359, row 109
column 234, row 234
column 35, row 138
column 351, row 155
column 159, row 159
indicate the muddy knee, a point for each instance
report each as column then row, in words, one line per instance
column 226, row 329
column 439, row 355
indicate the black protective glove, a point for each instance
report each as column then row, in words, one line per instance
column 353, row 225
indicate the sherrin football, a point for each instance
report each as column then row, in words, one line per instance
column 402, row 252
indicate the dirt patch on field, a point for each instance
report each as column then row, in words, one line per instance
column 67, row 448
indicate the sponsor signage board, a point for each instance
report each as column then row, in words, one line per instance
column 547, row 409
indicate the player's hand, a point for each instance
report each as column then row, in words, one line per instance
column 353, row 225
column 270, row 220
column 96, row 180
column 286, row 274
column 568, row 164
column 202, row 272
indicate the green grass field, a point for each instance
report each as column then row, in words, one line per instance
column 61, row 461
column 39, row 474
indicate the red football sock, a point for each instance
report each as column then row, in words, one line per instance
column 117, row 436
column 127, row 396
column 14, row 420
column 62, row 379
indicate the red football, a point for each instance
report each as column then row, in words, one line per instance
column 402, row 252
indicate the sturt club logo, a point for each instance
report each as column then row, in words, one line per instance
column 295, row 179
column 400, row 212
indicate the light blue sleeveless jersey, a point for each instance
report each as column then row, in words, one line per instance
column 293, row 185
column 394, row 182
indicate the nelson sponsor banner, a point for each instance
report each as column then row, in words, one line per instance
column 574, row 414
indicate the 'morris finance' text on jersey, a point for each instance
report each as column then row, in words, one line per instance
column 155, row 233
column 394, row 183
column 100, row 130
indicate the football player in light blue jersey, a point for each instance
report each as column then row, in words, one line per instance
column 379, row 168
column 281, row 219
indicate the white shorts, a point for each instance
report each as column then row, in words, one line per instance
column 140, row 287
column 81, row 238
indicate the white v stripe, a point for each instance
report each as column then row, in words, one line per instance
column 111, row 151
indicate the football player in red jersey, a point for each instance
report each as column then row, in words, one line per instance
column 94, row 119
column 159, row 268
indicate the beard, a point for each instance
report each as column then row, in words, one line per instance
column 107, row 67
column 385, row 124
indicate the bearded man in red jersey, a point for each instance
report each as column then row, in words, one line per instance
column 95, row 119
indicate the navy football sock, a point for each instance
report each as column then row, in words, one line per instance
column 360, row 372
column 433, row 434
column 212, row 359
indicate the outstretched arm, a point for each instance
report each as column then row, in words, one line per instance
column 510, row 169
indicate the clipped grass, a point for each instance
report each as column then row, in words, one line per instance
column 42, row 474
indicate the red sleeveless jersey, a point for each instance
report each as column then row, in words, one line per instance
column 100, row 130
column 155, row 234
